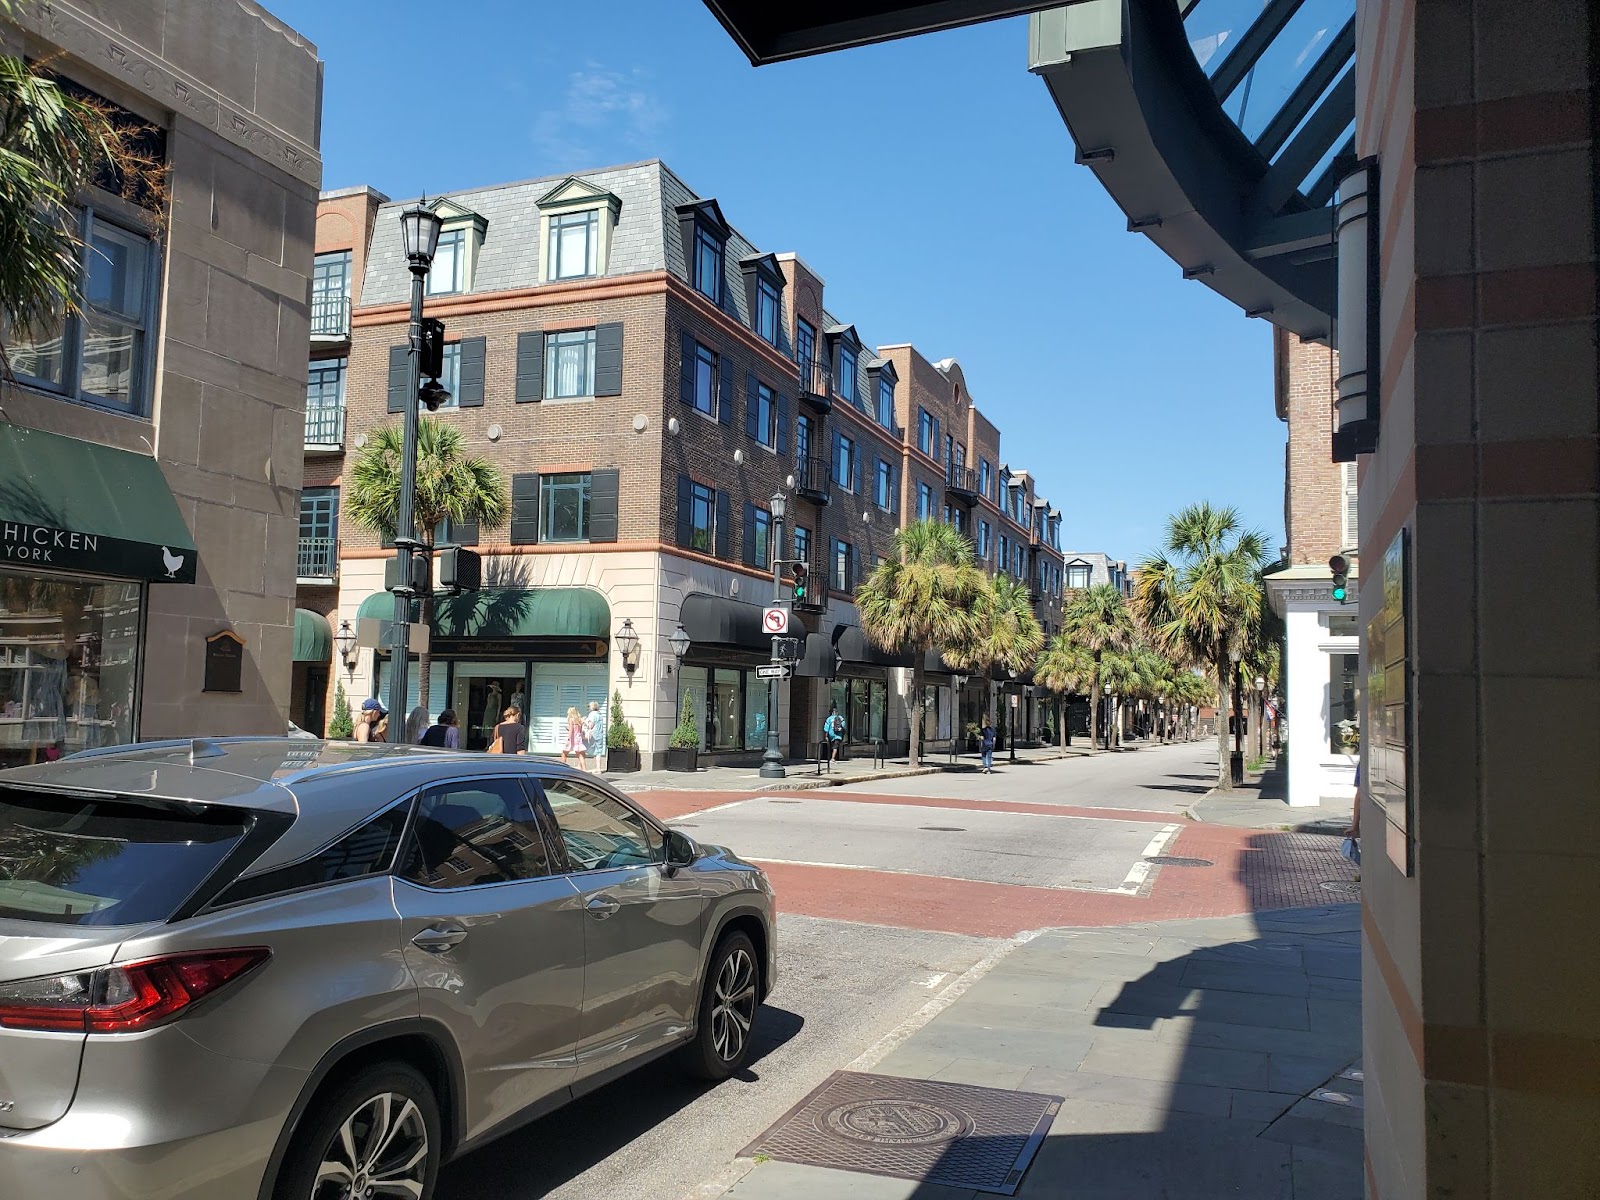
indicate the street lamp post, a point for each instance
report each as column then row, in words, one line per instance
column 1108, row 715
column 419, row 229
column 772, row 760
column 1014, row 699
column 1236, row 759
column 1261, row 716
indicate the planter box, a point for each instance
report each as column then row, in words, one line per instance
column 622, row 760
column 683, row 760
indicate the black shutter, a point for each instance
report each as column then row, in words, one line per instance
column 524, row 510
column 749, row 554
column 894, row 489
column 833, row 460
column 783, row 427
column 685, row 502
column 603, row 505
column 724, row 524
column 464, row 533
column 399, row 377
column 686, row 369
column 530, row 367
column 608, row 359
column 469, row 385
column 724, row 390
column 752, row 426
column 855, row 470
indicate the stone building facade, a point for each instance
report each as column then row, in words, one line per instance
column 646, row 380
column 156, row 441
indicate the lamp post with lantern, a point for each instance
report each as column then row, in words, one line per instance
column 1261, row 716
column 419, row 230
column 772, row 760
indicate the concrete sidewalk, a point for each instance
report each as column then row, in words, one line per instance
column 1196, row 1059
column 804, row 776
column 1263, row 803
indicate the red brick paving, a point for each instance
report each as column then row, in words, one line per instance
column 1253, row 870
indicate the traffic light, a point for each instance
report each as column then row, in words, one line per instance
column 1341, row 572
column 432, row 361
column 798, row 571
column 460, row 570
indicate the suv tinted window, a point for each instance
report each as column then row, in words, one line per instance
column 597, row 830
column 74, row 861
column 365, row 851
column 476, row 831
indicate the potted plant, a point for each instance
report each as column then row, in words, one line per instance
column 974, row 734
column 340, row 724
column 683, row 748
column 622, row 745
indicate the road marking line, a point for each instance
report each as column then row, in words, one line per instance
column 1140, row 871
column 891, row 1041
column 933, row 981
column 763, row 861
column 700, row 812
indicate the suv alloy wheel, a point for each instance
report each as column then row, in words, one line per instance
column 376, row 1137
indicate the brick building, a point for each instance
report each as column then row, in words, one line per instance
column 1322, row 647
column 150, row 452
column 646, row 379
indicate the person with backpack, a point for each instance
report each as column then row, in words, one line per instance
column 833, row 731
column 986, row 740
column 444, row 733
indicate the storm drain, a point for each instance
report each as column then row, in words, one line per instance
column 1342, row 886
column 921, row 1129
column 1169, row 860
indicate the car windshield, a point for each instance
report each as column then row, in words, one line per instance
column 72, row 860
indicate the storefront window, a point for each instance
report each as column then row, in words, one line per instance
column 1344, row 720
column 68, row 658
column 724, row 711
column 865, row 706
column 757, row 694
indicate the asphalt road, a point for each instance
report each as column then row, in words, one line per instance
column 656, row 1134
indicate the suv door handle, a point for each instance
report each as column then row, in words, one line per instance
column 436, row 939
column 601, row 907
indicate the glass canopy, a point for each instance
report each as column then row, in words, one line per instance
column 1283, row 72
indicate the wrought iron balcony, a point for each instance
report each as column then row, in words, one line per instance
column 330, row 316
column 961, row 483
column 815, row 384
column 318, row 559
column 325, row 427
column 813, row 479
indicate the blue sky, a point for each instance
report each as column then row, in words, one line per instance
column 929, row 181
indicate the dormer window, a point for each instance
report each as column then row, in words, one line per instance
column 448, row 274
column 844, row 349
column 705, row 239
column 576, row 224
column 708, row 265
column 763, row 295
column 767, row 307
column 882, row 378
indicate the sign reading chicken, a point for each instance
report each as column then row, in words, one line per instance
column 74, row 550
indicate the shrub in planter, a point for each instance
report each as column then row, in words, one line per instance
column 340, row 723
column 622, row 744
column 683, row 748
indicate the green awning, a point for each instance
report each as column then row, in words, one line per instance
column 510, row 613
column 75, row 505
column 313, row 637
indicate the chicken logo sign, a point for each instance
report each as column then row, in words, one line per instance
column 24, row 544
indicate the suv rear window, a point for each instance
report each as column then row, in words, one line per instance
column 70, row 860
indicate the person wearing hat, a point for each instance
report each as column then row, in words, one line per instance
column 372, row 726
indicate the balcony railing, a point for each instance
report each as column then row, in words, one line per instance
column 325, row 426
column 962, row 482
column 813, row 479
column 330, row 315
column 815, row 382
column 318, row 558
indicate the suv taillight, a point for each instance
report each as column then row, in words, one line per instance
column 125, row 998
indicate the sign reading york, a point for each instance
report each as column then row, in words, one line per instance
column 70, row 549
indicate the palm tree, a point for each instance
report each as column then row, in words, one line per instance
column 1189, row 691
column 1200, row 595
column 1064, row 668
column 54, row 140
column 923, row 597
column 451, row 485
column 1097, row 620
column 1005, row 632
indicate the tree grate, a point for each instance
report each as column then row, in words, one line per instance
column 1342, row 886
column 954, row 1134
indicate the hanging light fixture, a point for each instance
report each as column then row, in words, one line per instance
column 419, row 230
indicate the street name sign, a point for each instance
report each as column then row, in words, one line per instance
column 775, row 620
column 773, row 671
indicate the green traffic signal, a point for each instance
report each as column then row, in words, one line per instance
column 1338, row 594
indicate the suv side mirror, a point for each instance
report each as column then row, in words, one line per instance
column 681, row 850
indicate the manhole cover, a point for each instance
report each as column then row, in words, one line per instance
column 942, row 828
column 947, row 1133
column 1342, row 886
column 1169, row 860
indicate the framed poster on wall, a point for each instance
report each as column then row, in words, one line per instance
column 1388, row 769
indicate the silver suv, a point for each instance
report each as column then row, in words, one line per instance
column 297, row 970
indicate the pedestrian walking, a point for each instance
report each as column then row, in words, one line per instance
column 510, row 736
column 986, row 740
column 833, row 732
column 416, row 726
column 444, row 734
column 594, row 735
column 574, row 739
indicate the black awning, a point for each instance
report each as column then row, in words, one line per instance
column 853, row 647
column 717, row 621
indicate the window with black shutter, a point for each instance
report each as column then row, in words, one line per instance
column 724, row 392
column 603, row 505
column 608, row 359
column 724, row 530
column 399, row 377
column 530, row 367
column 524, row 510
column 470, row 374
